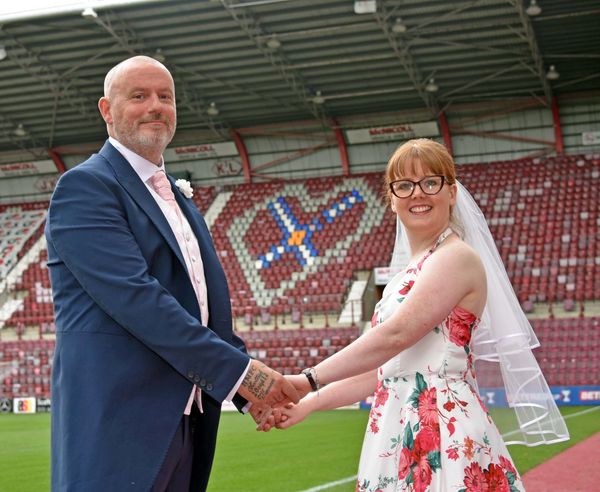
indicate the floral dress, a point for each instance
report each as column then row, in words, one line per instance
column 428, row 429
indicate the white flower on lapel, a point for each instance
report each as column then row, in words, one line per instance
column 185, row 187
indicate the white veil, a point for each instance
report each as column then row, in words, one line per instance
column 502, row 343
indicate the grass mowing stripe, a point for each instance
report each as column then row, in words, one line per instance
column 318, row 451
column 335, row 483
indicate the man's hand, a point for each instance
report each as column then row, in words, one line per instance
column 263, row 415
column 264, row 386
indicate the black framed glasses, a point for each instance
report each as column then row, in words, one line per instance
column 430, row 185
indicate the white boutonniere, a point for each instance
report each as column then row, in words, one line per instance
column 185, row 187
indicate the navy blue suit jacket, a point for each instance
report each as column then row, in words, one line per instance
column 129, row 343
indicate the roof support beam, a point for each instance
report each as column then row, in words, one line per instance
column 445, row 129
column 31, row 63
column 339, row 136
column 558, row 138
column 58, row 161
column 482, row 79
column 241, row 147
column 405, row 57
column 536, row 55
column 254, row 31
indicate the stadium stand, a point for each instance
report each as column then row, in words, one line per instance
column 31, row 365
column 290, row 351
column 20, row 225
column 314, row 235
column 292, row 249
column 570, row 350
column 544, row 216
column 204, row 196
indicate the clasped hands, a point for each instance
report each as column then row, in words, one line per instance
column 272, row 395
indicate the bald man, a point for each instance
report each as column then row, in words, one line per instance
column 145, row 352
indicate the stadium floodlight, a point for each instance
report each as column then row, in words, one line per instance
column 533, row 9
column 20, row 130
column 318, row 98
column 159, row 56
column 552, row 73
column 273, row 42
column 365, row 6
column 431, row 86
column 398, row 27
column 212, row 109
column 89, row 13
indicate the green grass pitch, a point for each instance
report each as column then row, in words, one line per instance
column 323, row 449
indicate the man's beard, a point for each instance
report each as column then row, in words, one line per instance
column 139, row 141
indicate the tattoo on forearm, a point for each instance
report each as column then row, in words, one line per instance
column 258, row 382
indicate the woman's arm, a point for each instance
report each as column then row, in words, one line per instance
column 447, row 277
column 334, row 395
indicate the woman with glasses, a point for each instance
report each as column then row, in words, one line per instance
column 428, row 428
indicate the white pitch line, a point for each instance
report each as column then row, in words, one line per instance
column 577, row 414
column 329, row 485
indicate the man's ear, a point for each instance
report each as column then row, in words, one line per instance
column 104, row 107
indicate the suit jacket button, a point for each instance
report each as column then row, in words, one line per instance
column 203, row 383
column 196, row 378
column 209, row 387
column 190, row 374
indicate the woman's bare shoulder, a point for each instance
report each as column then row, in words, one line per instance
column 456, row 256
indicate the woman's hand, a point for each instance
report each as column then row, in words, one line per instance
column 293, row 414
column 300, row 382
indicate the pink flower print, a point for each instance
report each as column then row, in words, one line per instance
column 373, row 426
column 381, row 396
column 428, row 439
column 406, row 459
column 474, row 478
column 449, row 406
column 422, row 474
column 406, row 287
column 459, row 325
column 452, row 453
column 507, row 465
column 468, row 448
column 496, row 479
column 428, row 412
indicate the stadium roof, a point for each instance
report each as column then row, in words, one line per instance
column 241, row 63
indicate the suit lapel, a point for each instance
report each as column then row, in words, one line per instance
column 132, row 183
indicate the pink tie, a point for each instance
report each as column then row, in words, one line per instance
column 162, row 186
